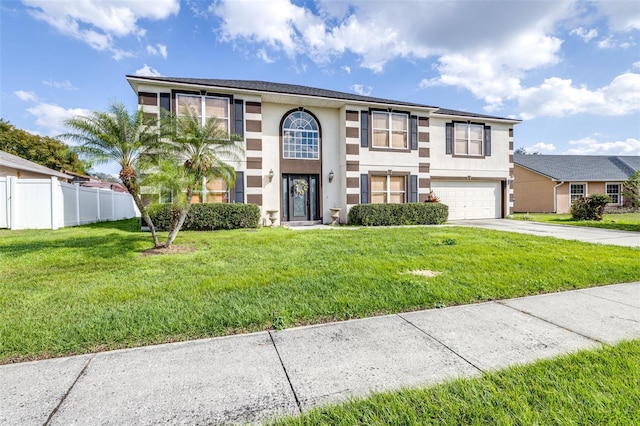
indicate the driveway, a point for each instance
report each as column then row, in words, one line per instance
column 578, row 233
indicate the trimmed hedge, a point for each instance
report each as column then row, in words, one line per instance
column 398, row 214
column 207, row 217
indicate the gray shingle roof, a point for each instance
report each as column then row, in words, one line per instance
column 581, row 167
column 294, row 89
column 15, row 162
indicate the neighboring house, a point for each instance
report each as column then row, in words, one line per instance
column 12, row 165
column 308, row 150
column 549, row 183
column 92, row 182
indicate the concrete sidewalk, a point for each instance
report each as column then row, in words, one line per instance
column 566, row 232
column 248, row 378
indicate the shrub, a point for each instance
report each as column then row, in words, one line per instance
column 398, row 214
column 589, row 208
column 207, row 217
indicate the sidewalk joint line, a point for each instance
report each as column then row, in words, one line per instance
column 582, row 291
column 553, row 323
column 66, row 394
column 295, row 396
column 443, row 344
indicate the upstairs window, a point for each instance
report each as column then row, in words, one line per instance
column 205, row 107
column 389, row 130
column 300, row 136
column 469, row 139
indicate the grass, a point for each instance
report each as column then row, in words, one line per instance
column 599, row 387
column 619, row 221
column 86, row 289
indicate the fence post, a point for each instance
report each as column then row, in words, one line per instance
column 113, row 204
column 98, row 201
column 77, row 188
column 54, row 202
column 11, row 195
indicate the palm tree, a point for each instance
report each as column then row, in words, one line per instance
column 119, row 136
column 200, row 152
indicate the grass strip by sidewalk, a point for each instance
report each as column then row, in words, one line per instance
column 87, row 289
column 619, row 221
column 597, row 387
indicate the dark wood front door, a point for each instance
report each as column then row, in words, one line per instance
column 300, row 197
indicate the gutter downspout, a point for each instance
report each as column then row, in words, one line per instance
column 555, row 197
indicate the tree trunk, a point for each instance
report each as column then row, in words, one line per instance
column 128, row 176
column 183, row 215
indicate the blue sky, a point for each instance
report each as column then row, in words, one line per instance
column 569, row 69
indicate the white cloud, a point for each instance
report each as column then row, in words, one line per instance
column 622, row 15
column 51, row 116
column 584, row 34
column 540, row 147
column 636, row 65
column 558, row 97
column 23, row 95
column 591, row 146
column 66, row 84
column 157, row 50
column 147, row 71
column 360, row 90
column 262, row 54
column 346, row 68
column 98, row 22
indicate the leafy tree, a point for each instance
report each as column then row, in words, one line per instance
column 523, row 151
column 43, row 150
column 631, row 190
column 190, row 154
column 119, row 136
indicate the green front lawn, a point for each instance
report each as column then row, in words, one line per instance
column 77, row 290
column 600, row 387
column 620, row 221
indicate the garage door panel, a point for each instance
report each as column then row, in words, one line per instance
column 470, row 200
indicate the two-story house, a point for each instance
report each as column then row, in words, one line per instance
column 308, row 150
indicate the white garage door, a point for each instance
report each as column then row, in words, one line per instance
column 470, row 200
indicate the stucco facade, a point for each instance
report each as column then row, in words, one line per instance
column 350, row 168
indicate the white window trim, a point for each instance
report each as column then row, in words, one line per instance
column 388, row 191
column 586, row 189
column 468, row 153
column 619, row 184
column 203, row 99
column 390, row 130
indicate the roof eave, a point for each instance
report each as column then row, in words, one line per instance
column 484, row 118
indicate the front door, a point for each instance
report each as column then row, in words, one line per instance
column 300, row 197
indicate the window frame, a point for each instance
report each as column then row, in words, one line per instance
column 203, row 98
column 584, row 194
column 300, row 134
column 387, row 193
column 390, row 131
column 468, row 124
column 619, row 193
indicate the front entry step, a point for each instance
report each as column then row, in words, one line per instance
column 302, row 223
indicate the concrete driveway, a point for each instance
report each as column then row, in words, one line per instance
column 565, row 232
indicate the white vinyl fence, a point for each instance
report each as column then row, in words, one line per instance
column 51, row 204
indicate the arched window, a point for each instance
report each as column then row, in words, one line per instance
column 300, row 136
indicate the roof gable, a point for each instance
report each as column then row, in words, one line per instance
column 580, row 167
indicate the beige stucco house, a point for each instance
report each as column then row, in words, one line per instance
column 549, row 183
column 12, row 165
column 309, row 150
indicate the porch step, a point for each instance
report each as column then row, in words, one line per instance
column 302, row 223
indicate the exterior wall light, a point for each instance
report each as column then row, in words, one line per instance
column 271, row 174
column 331, row 176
